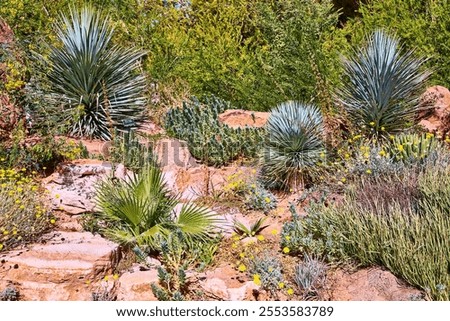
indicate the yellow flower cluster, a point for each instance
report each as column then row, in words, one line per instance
column 23, row 217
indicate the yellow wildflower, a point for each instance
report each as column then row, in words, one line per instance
column 369, row 171
column 1, row 246
column 242, row 268
column 400, row 148
column 372, row 123
column 115, row 276
column 281, row 285
column 274, row 232
column 257, row 279
column 267, row 199
column 290, row 291
column 286, row 250
column 382, row 153
column 241, row 255
column 52, row 221
column 260, row 238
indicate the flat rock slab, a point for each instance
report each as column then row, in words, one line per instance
column 72, row 188
column 61, row 269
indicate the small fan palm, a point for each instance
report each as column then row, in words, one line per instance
column 294, row 144
column 140, row 210
column 382, row 86
column 98, row 82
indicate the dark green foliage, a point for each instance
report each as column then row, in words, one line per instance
column 422, row 26
column 208, row 139
column 294, row 144
column 382, row 85
column 255, row 54
column 96, row 83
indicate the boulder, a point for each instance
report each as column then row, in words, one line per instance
column 435, row 116
column 243, row 118
column 72, row 188
column 225, row 283
column 64, row 267
column 372, row 284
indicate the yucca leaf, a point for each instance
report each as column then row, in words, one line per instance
column 97, row 81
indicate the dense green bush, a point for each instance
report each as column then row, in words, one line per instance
column 294, row 144
column 420, row 25
column 209, row 140
column 253, row 53
column 400, row 222
column 381, row 86
column 38, row 153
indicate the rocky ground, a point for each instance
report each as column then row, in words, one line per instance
column 72, row 264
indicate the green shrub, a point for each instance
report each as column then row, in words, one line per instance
column 381, row 86
column 268, row 270
column 178, row 254
column 96, row 84
column 208, row 139
column 141, row 210
column 294, row 144
column 23, row 214
column 259, row 199
column 420, row 25
column 37, row 154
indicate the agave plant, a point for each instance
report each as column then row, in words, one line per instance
column 97, row 82
column 140, row 211
column 241, row 229
column 294, row 144
column 382, row 86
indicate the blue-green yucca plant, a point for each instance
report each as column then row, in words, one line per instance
column 382, row 84
column 294, row 144
column 98, row 82
column 140, row 211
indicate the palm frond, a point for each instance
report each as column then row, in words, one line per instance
column 196, row 222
